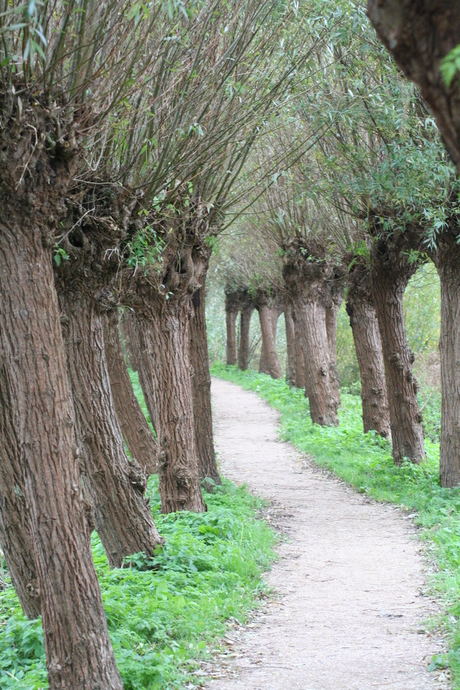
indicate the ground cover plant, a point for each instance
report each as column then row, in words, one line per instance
column 364, row 461
column 164, row 614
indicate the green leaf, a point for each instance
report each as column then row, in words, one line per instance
column 437, row 662
column 450, row 65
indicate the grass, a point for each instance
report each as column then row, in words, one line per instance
column 364, row 461
column 134, row 376
column 162, row 621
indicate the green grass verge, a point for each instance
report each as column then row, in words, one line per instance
column 162, row 621
column 364, row 461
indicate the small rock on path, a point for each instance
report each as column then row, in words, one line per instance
column 347, row 611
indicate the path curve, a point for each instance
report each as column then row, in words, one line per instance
column 348, row 610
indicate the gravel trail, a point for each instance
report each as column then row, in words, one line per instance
column 347, row 612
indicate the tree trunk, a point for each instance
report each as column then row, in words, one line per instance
column 368, row 345
column 245, row 324
column 77, row 645
column 263, row 363
column 307, row 284
column 231, row 316
column 164, row 337
column 15, row 539
column 299, row 352
column 311, row 319
column 447, row 260
column 201, row 389
column 138, row 436
column 276, row 313
column 114, row 485
column 331, row 329
column 131, row 334
column 419, row 34
column 271, row 357
column 388, row 284
column 291, row 346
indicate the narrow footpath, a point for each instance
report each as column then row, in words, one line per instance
column 347, row 611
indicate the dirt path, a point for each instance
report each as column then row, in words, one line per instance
column 348, row 611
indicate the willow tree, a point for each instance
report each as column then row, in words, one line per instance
column 250, row 268
column 424, row 40
column 352, row 248
column 114, row 485
column 56, row 99
column 195, row 141
column 286, row 216
column 361, row 310
column 374, row 159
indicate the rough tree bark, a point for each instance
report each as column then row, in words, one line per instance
column 419, row 34
column 245, row 324
column 114, row 485
column 368, row 345
column 232, row 307
column 266, row 359
column 164, row 338
column 15, row 538
column 138, row 436
column 77, row 645
column 331, row 330
column 269, row 357
column 291, row 346
column 277, row 310
column 319, row 384
column 162, row 302
column 390, row 274
column 201, row 389
column 263, row 360
column 306, row 284
column 447, row 261
column 334, row 298
column 299, row 356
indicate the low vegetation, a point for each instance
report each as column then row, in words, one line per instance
column 364, row 461
column 164, row 614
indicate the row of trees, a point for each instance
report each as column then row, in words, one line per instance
column 374, row 198
column 124, row 129
column 131, row 136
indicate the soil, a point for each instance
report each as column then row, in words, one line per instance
column 348, row 609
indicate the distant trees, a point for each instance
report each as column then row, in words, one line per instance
column 251, row 275
column 390, row 200
column 370, row 165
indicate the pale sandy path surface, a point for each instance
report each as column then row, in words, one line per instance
column 347, row 611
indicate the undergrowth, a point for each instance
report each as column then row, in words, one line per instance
column 364, row 461
column 165, row 614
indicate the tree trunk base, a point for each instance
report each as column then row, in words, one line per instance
column 164, row 339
